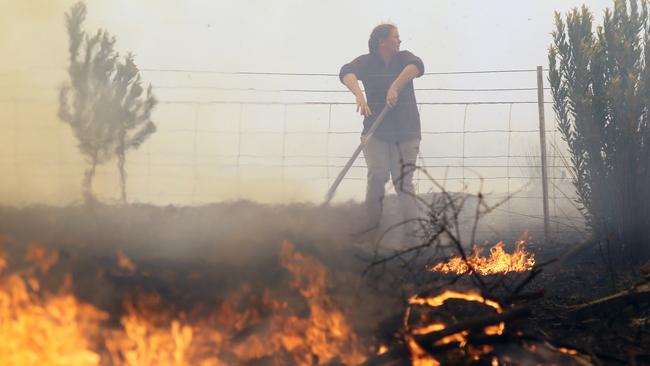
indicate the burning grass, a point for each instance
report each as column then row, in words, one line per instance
column 498, row 262
column 187, row 313
column 42, row 328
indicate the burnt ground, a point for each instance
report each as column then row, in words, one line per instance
column 195, row 255
column 619, row 328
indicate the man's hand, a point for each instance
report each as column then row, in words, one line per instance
column 350, row 80
column 362, row 106
column 408, row 73
column 391, row 96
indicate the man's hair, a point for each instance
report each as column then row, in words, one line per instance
column 378, row 34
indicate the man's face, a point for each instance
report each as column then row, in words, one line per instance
column 392, row 42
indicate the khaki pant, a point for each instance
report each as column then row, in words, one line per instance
column 391, row 160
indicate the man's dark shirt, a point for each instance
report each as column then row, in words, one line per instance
column 402, row 122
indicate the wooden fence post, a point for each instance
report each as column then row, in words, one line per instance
column 542, row 144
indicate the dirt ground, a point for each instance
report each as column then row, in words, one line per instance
column 195, row 255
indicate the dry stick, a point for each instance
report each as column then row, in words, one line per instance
column 394, row 226
column 444, row 228
column 456, row 212
column 432, row 337
column 348, row 165
column 555, row 344
column 476, row 215
column 487, row 210
column 401, row 252
column 398, row 254
column 638, row 289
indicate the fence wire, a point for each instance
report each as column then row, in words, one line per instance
column 208, row 149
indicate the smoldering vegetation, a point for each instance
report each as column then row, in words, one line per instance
column 196, row 257
column 236, row 242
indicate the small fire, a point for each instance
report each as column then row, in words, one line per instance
column 419, row 357
column 325, row 333
column 41, row 257
column 498, row 262
column 124, row 262
column 568, row 351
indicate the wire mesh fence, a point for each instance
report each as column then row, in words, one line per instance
column 221, row 141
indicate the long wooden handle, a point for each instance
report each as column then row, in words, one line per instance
column 348, row 165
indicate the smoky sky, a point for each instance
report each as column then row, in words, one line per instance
column 190, row 159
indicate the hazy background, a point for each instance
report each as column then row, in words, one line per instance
column 193, row 158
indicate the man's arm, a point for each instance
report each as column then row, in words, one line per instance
column 350, row 80
column 413, row 68
column 349, row 75
column 409, row 73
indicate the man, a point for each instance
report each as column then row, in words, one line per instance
column 391, row 152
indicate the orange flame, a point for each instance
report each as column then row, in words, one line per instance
column 326, row 332
column 418, row 355
column 50, row 329
column 150, row 336
column 125, row 262
column 58, row 329
column 41, row 257
column 498, row 262
column 3, row 261
column 568, row 351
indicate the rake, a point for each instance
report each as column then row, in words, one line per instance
column 348, row 165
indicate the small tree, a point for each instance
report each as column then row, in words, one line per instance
column 104, row 101
column 134, row 121
column 601, row 91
